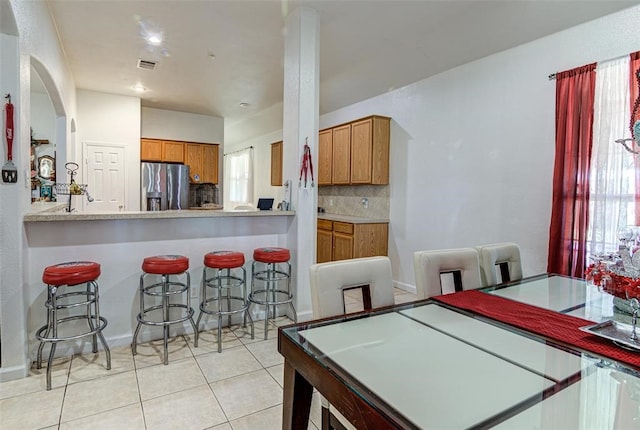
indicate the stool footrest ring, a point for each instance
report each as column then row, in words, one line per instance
column 96, row 330
column 188, row 315
column 148, row 290
column 243, row 308
column 254, row 297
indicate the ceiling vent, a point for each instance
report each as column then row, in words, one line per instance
column 147, row 64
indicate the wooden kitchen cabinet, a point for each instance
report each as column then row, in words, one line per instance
column 276, row 164
column 150, row 150
column 168, row 151
column 210, row 163
column 370, row 151
column 172, row 151
column 338, row 240
column 356, row 153
column 324, row 244
column 194, row 159
column 202, row 160
column 341, row 155
column 325, row 153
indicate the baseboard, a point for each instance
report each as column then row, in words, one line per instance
column 405, row 287
column 13, row 372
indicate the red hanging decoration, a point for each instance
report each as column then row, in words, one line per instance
column 9, row 170
column 306, row 168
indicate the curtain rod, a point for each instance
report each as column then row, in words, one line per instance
column 553, row 75
column 238, row 150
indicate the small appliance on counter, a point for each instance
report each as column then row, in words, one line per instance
column 265, row 204
column 164, row 186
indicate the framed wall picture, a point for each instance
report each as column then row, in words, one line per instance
column 45, row 192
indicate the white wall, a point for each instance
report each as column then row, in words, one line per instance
column 110, row 119
column 37, row 40
column 164, row 124
column 43, row 121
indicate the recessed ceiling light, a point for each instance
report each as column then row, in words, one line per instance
column 155, row 39
column 244, row 104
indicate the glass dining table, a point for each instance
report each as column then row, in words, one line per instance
column 432, row 364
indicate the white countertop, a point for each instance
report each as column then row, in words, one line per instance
column 58, row 214
column 351, row 219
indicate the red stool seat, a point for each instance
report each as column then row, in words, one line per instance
column 271, row 255
column 224, row 259
column 72, row 273
column 165, row 264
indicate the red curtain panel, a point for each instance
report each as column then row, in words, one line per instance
column 575, row 91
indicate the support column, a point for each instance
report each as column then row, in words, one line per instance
column 300, row 122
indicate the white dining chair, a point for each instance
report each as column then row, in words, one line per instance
column 329, row 282
column 461, row 263
column 502, row 256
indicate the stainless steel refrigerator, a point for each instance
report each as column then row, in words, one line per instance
column 164, row 186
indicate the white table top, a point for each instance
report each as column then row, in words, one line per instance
column 557, row 293
column 442, row 368
column 395, row 355
column 604, row 399
column 566, row 295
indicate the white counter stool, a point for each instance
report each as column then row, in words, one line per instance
column 225, row 275
column 270, row 269
column 166, row 313
column 67, row 275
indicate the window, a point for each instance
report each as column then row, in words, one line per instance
column 612, row 182
column 239, row 178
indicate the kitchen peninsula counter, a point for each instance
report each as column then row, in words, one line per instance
column 351, row 219
column 60, row 215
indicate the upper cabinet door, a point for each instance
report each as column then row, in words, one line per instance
column 381, row 140
column 325, row 155
column 370, row 150
column 210, row 164
column 341, row 157
column 172, row 152
column 193, row 159
column 276, row 164
column 361, row 132
column 150, row 150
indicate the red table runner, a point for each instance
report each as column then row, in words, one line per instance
column 551, row 324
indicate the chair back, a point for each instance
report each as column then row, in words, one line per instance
column 462, row 263
column 502, row 256
column 328, row 280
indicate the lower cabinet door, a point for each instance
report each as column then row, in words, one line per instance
column 342, row 246
column 324, row 246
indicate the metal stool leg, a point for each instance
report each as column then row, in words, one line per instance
column 94, row 338
column 190, row 311
column 49, row 325
column 134, row 342
column 107, row 351
column 165, row 310
column 54, row 308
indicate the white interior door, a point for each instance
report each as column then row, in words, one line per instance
column 105, row 173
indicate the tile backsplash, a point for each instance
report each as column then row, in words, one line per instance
column 348, row 200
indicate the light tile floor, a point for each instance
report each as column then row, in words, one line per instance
column 239, row 389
